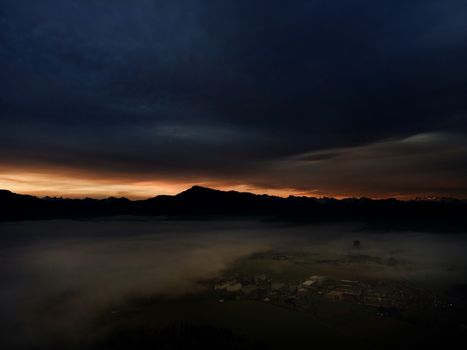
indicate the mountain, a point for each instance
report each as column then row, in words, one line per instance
column 14, row 205
column 206, row 202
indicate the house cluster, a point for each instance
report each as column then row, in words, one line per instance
column 379, row 294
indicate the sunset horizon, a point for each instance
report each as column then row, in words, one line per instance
column 147, row 191
column 419, row 166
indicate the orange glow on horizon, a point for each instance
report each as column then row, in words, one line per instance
column 80, row 185
column 51, row 184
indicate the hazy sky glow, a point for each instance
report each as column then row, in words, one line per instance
column 78, row 186
column 323, row 97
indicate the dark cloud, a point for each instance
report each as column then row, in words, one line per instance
column 220, row 89
column 432, row 164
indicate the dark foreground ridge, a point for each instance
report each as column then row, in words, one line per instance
column 205, row 202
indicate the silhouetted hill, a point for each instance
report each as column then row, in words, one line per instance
column 17, row 206
column 205, row 202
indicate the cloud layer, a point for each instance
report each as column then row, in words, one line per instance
column 233, row 93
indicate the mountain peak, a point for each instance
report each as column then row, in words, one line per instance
column 197, row 190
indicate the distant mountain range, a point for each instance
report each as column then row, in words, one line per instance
column 205, row 202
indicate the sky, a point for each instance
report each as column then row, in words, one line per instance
column 319, row 98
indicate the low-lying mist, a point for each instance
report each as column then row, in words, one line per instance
column 57, row 276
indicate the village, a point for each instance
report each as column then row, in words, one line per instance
column 388, row 298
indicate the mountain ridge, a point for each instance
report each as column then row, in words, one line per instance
column 199, row 201
column 198, row 190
